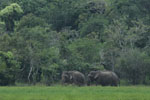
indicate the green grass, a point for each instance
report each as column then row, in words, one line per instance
column 75, row 93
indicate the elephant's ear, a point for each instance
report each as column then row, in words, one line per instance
column 65, row 76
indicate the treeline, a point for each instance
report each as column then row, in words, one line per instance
column 41, row 38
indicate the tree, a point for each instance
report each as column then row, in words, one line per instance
column 84, row 55
column 93, row 27
column 28, row 43
column 62, row 14
column 29, row 21
column 8, row 68
column 92, row 19
column 133, row 65
column 9, row 14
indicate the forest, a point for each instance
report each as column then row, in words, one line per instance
column 39, row 39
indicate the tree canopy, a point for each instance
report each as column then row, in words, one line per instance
column 9, row 14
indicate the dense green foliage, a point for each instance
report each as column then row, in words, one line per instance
column 75, row 93
column 9, row 14
column 41, row 38
column 8, row 68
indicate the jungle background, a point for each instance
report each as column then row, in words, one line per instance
column 41, row 38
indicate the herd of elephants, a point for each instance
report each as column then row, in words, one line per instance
column 104, row 78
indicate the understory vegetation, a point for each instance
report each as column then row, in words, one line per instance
column 41, row 38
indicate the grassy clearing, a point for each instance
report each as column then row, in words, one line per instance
column 75, row 93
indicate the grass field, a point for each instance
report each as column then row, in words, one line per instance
column 75, row 93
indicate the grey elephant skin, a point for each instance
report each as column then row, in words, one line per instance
column 73, row 77
column 104, row 78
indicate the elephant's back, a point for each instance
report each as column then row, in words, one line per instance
column 112, row 76
column 79, row 77
column 108, row 76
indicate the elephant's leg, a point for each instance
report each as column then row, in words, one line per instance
column 96, row 83
column 103, row 84
column 75, row 82
column 89, row 82
column 114, row 83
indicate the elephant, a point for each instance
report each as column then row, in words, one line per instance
column 73, row 77
column 103, row 78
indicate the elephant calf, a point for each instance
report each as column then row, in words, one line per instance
column 73, row 77
column 103, row 78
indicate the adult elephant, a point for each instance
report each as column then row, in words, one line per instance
column 73, row 77
column 103, row 78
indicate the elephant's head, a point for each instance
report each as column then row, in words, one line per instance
column 91, row 77
column 65, row 77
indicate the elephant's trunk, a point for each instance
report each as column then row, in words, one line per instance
column 88, row 81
